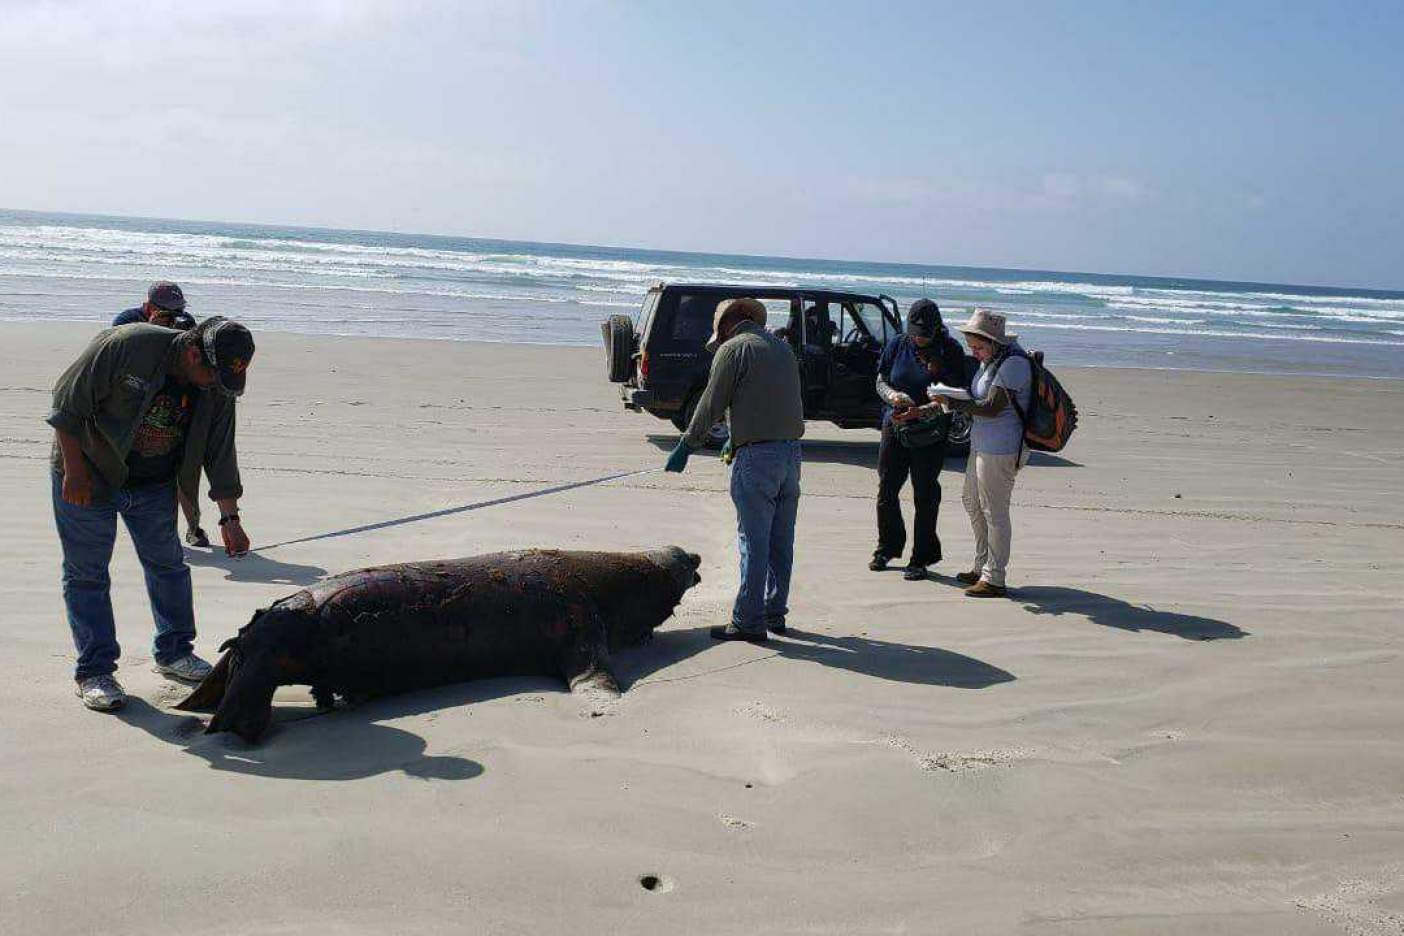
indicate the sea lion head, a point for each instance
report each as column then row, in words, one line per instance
column 649, row 601
column 680, row 565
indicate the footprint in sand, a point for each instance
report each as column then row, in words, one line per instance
column 1355, row 906
column 957, row 761
column 763, row 712
column 737, row 825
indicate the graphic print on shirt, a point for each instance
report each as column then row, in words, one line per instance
column 163, row 426
column 159, row 441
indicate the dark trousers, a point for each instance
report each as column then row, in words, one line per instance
column 895, row 463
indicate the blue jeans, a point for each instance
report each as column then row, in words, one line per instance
column 765, row 487
column 87, row 535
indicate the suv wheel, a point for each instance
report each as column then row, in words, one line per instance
column 716, row 436
column 958, row 437
column 619, row 347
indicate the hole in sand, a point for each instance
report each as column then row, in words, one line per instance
column 656, row 883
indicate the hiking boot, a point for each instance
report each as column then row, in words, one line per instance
column 878, row 563
column 983, row 589
column 101, row 693
column 914, row 573
column 188, row 668
column 967, row 578
column 732, row 632
column 775, row 625
column 195, row 536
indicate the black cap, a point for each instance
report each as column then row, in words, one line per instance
column 228, row 348
column 923, row 319
column 166, row 295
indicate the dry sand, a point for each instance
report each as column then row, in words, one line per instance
column 1186, row 720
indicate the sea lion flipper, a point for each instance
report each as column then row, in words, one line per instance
column 210, row 692
column 595, row 680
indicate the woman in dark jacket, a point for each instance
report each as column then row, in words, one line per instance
column 926, row 353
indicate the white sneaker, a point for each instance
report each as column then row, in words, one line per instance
column 187, row 669
column 101, row 693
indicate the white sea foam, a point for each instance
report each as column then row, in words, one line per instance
column 472, row 288
column 1165, row 321
column 1212, row 333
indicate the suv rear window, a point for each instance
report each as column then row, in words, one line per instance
column 692, row 322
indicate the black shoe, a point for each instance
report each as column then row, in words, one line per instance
column 732, row 632
column 194, row 536
column 776, row 626
column 878, row 563
column 914, row 573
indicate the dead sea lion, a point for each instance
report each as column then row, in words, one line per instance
column 402, row 627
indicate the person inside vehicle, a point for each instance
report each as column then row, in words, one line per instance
column 817, row 349
column 1001, row 391
column 165, row 306
column 819, row 329
column 913, row 437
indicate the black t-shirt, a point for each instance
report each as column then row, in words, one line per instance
column 159, row 442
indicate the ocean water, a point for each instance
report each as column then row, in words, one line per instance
column 312, row 281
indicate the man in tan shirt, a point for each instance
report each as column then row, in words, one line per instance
column 755, row 382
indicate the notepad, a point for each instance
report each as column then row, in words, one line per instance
column 950, row 393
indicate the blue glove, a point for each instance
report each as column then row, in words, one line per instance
column 677, row 460
column 727, row 452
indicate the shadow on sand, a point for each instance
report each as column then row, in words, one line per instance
column 859, row 454
column 881, row 659
column 1114, row 612
column 862, row 454
column 349, row 747
column 256, row 568
column 350, row 744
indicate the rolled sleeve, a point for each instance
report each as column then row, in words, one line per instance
column 221, row 460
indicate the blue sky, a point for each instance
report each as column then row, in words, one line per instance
column 1233, row 140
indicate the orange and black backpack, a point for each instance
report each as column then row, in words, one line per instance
column 1052, row 414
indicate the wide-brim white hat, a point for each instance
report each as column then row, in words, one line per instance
column 988, row 325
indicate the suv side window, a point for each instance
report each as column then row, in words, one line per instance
column 692, row 321
column 862, row 323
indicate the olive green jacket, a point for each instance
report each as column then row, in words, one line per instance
column 103, row 395
column 755, row 382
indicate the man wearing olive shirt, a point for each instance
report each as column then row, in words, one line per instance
column 754, row 381
column 139, row 414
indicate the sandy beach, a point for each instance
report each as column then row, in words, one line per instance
column 1186, row 719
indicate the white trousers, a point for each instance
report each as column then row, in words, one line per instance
column 989, row 482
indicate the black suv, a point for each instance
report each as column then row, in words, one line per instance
column 837, row 337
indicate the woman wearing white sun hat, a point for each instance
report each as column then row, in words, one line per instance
column 1000, row 391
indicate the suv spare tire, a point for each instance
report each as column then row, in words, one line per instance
column 619, row 347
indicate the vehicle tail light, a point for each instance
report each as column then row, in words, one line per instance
column 643, row 365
